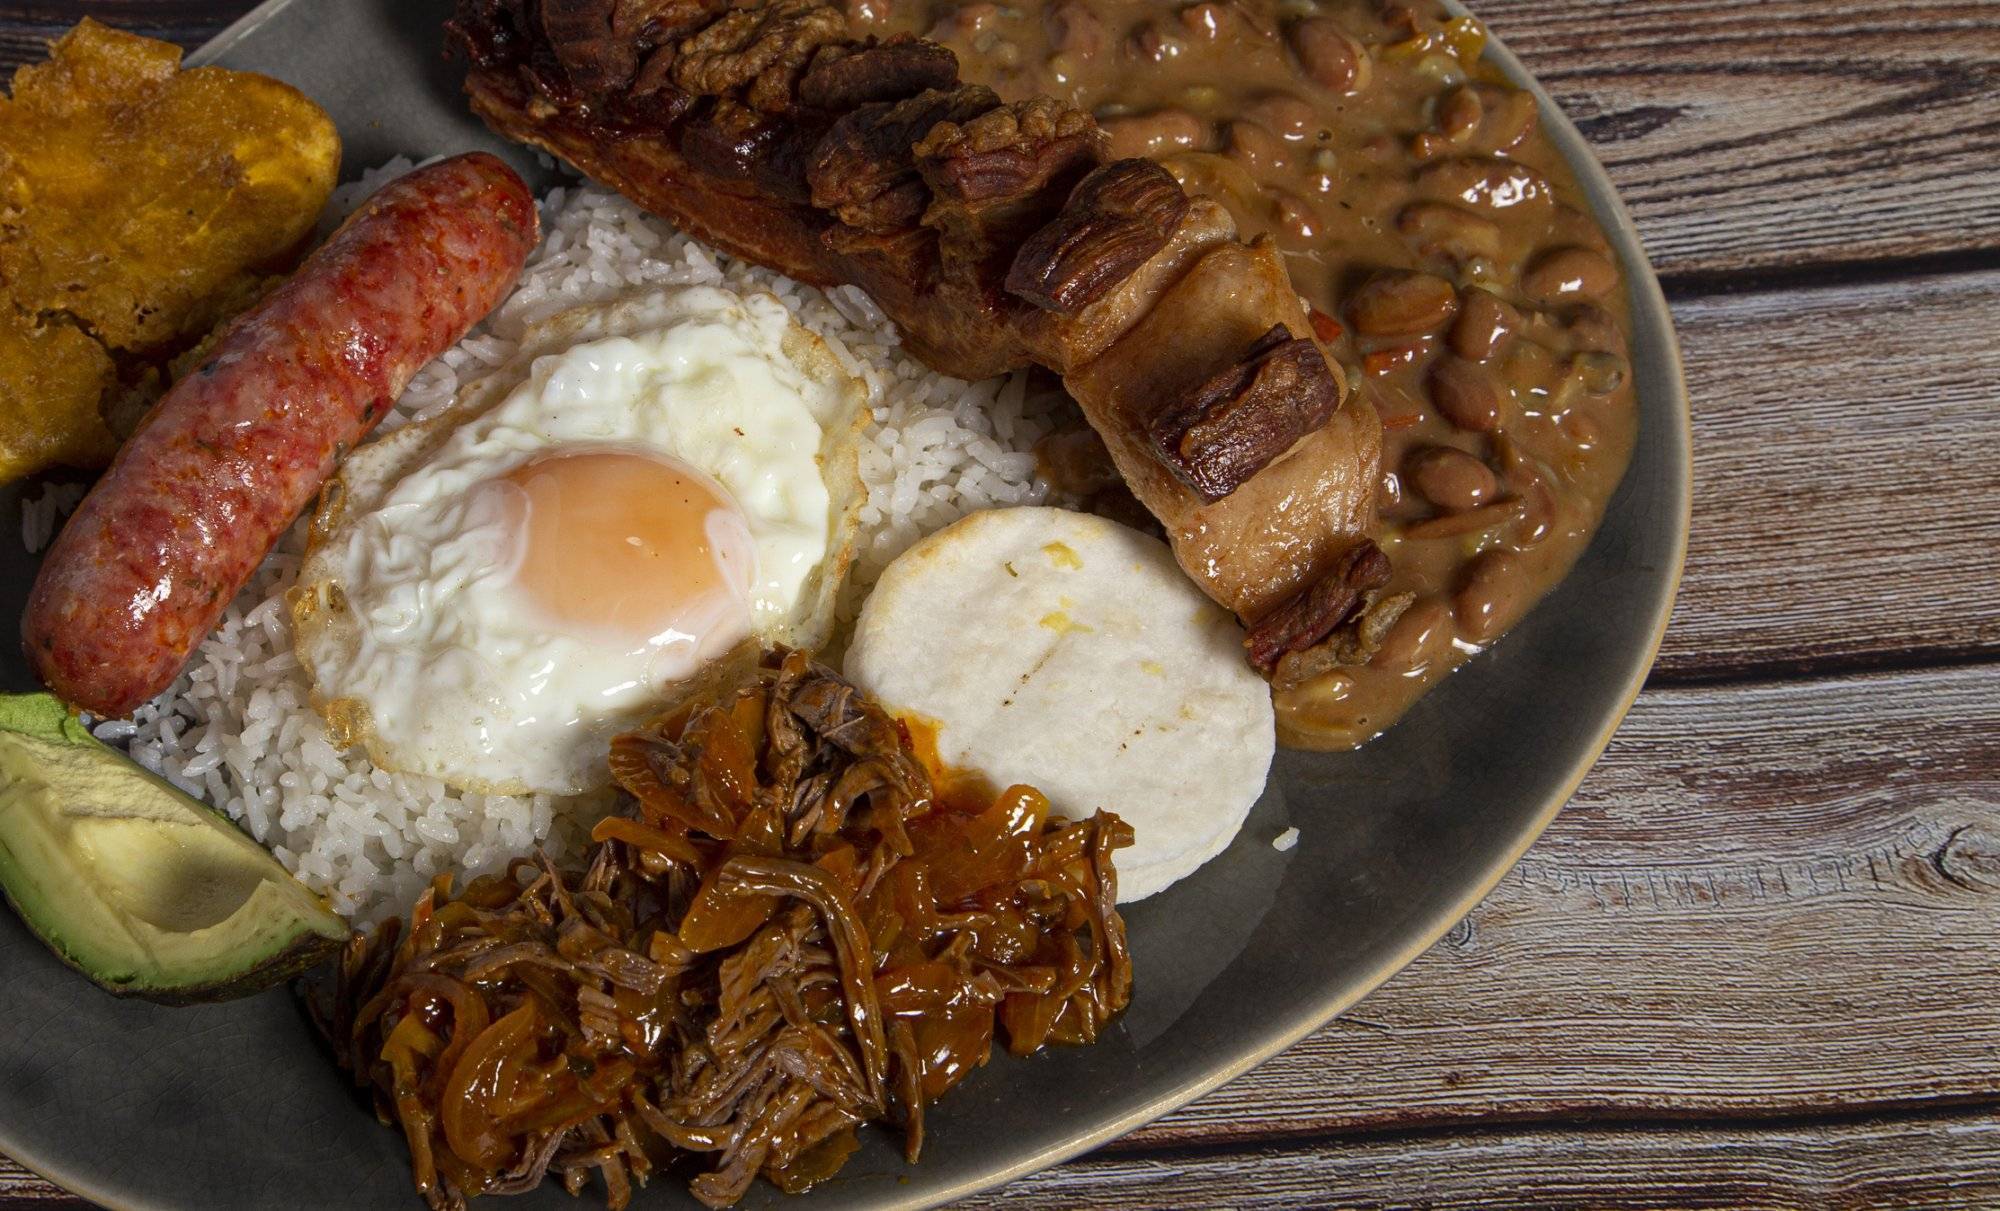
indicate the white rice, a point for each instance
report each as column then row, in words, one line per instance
column 237, row 728
column 42, row 512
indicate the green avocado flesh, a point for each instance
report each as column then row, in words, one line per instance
column 134, row 883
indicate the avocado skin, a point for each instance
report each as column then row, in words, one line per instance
column 308, row 952
column 317, row 934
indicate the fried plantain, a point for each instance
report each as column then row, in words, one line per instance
column 52, row 378
column 140, row 205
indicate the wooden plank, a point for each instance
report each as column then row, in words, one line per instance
column 1765, row 899
column 1761, row 136
column 1906, row 1162
column 1847, row 478
column 21, row 1190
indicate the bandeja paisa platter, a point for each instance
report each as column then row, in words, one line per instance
column 781, row 601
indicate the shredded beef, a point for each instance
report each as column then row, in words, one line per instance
column 787, row 932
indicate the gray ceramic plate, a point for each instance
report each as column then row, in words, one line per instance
column 234, row 1106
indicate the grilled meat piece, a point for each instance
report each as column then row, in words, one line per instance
column 758, row 50
column 600, row 43
column 1119, row 218
column 756, row 153
column 1233, row 425
column 865, row 169
column 998, row 177
column 1294, row 520
column 844, row 77
column 994, row 238
column 1315, row 611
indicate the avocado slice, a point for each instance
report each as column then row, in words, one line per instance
column 135, row 884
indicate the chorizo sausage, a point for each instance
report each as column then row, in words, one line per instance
column 232, row 453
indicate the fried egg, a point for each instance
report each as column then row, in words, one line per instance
column 490, row 595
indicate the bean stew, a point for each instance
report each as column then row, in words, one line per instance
column 1442, row 243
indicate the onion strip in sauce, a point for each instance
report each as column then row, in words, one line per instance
column 789, row 931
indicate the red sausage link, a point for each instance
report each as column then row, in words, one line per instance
column 235, row 450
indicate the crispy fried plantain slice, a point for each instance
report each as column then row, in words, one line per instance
column 136, row 193
column 139, row 205
column 51, row 379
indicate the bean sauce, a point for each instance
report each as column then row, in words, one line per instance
column 1428, row 219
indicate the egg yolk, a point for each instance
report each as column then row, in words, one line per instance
column 634, row 545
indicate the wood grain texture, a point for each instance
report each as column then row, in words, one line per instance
column 1932, row 1161
column 1929, row 1161
column 1847, row 477
column 1764, row 135
column 1743, row 136
column 1770, row 899
column 21, row 1190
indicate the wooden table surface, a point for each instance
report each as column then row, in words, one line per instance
column 1756, row 961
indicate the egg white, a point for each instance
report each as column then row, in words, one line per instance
column 418, row 644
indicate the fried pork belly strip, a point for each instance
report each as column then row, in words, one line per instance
column 995, row 236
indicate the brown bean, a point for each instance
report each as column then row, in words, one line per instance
column 1472, row 521
column 1428, row 145
column 1208, row 20
column 1423, row 634
column 1074, row 29
column 1298, row 223
column 967, row 22
column 1484, row 183
column 1582, row 432
column 1494, row 593
column 1402, row 304
column 1450, row 478
column 1592, row 327
column 1331, row 58
column 1437, row 228
column 1524, row 480
column 1538, row 513
column 1568, row 274
column 1508, row 116
column 1154, row 133
column 1570, row 225
column 1598, row 373
column 1151, row 43
column 1256, row 148
column 1389, row 489
column 1485, row 321
column 1467, row 394
column 1459, row 113
column 1284, row 115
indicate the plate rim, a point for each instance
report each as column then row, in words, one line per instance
column 1649, row 311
